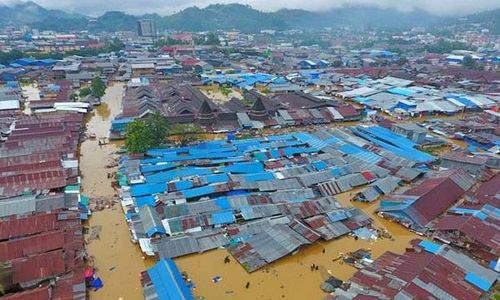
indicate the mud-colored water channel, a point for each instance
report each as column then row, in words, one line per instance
column 119, row 262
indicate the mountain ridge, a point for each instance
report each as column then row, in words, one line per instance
column 231, row 16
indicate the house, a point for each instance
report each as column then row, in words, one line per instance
column 306, row 64
column 474, row 165
column 321, row 64
column 143, row 69
column 475, row 231
column 418, row 206
column 164, row 281
column 411, row 131
column 348, row 112
column 203, row 67
column 11, row 74
column 424, row 271
column 10, row 99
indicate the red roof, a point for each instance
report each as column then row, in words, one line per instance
column 40, row 243
column 450, row 222
column 16, row 227
column 368, row 175
column 38, row 267
column 34, row 294
column 423, row 266
column 348, row 111
column 438, row 196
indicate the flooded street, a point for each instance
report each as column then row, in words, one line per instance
column 117, row 260
column 290, row 277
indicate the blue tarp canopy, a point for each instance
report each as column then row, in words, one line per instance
column 168, row 282
column 429, row 246
column 224, row 217
column 401, row 91
column 244, row 168
column 147, row 189
column 477, row 281
column 145, row 200
column 263, row 176
column 223, row 203
column 97, row 283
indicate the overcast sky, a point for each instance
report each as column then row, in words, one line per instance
column 165, row 7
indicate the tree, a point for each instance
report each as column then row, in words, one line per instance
column 210, row 39
column 73, row 96
column 468, row 62
column 168, row 42
column 185, row 133
column 85, row 92
column 401, row 61
column 337, row 63
column 147, row 133
column 98, row 87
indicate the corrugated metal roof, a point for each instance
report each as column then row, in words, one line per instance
column 17, row 206
column 168, row 281
column 38, row 267
column 168, row 247
column 40, row 243
column 151, row 221
column 224, row 217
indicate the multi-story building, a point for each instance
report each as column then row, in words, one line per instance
column 146, row 28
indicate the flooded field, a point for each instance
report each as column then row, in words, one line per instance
column 290, row 277
column 117, row 260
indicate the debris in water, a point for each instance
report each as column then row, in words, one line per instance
column 216, row 279
column 365, row 233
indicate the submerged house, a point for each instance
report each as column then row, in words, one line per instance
column 425, row 271
column 418, row 206
column 164, row 281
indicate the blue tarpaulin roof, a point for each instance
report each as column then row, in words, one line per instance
column 145, row 200
column 183, row 185
column 429, row 246
column 244, row 168
column 263, row 176
column 401, row 91
column 156, row 168
column 477, row 281
column 147, row 189
column 168, row 282
column 154, row 230
column 223, row 203
column 222, row 177
column 224, row 217
column 199, row 191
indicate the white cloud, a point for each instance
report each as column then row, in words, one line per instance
column 164, row 7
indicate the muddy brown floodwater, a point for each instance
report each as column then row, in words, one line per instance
column 118, row 261
column 290, row 277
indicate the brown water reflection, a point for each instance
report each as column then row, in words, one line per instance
column 119, row 262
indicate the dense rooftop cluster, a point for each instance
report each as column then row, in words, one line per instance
column 407, row 122
column 40, row 228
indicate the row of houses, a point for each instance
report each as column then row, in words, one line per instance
column 464, row 251
column 261, row 198
column 402, row 97
column 186, row 104
column 41, row 207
